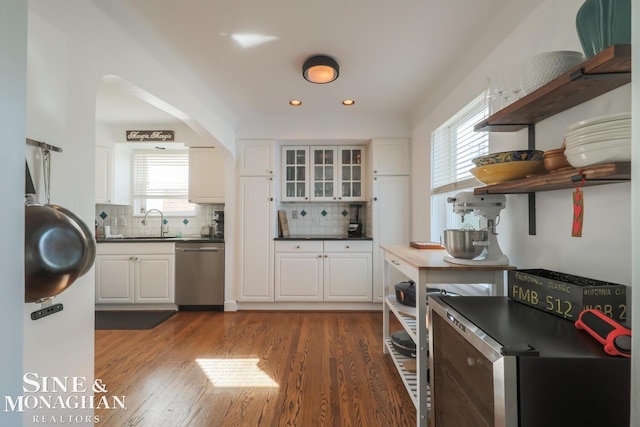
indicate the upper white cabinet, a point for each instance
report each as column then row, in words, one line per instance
column 256, row 157
column 323, row 173
column 390, row 157
column 206, row 175
column 112, row 176
column 295, row 174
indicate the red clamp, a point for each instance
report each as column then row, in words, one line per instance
column 615, row 337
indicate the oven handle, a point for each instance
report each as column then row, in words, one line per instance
column 199, row 250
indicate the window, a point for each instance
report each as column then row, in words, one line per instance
column 453, row 146
column 161, row 181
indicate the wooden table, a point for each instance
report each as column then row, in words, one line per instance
column 425, row 266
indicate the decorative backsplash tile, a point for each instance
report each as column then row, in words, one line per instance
column 122, row 221
column 320, row 218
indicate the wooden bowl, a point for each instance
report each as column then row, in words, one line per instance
column 555, row 160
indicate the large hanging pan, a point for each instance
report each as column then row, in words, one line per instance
column 59, row 247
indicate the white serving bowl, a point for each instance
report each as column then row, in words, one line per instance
column 603, row 145
column 544, row 67
column 594, row 157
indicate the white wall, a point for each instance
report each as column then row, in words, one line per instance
column 550, row 27
column 13, row 62
column 604, row 251
column 71, row 46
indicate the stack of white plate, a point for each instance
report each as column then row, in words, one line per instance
column 602, row 139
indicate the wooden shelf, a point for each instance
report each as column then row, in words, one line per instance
column 593, row 175
column 602, row 73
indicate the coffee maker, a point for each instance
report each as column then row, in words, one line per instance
column 354, row 229
column 218, row 224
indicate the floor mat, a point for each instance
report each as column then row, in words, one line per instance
column 130, row 319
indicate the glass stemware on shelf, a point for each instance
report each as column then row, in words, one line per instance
column 504, row 86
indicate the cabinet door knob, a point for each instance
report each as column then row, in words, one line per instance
column 271, row 199
column 306, row 198
column 325, row 256
column 375, row 171
column 347, row 246
column 297, row 246
column 375, row 199
column 319, row 256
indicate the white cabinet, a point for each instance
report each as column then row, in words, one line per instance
column 299, row 271
column 323, row 173
column 351, row 173
column 112, row 176
column 256, row 219
column 135, row 273
column 206, row 175
column 256, row 157
column 391, row 203
column 256, row 233
column 390, row 157
column 336, row 271
column 348, row 271
column 295, row 174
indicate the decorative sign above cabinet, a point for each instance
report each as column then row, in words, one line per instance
column 149, row 135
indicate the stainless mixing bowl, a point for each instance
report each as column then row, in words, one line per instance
column 459, row 243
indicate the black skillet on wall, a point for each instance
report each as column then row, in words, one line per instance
column 59, row 247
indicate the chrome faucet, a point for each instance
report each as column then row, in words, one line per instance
column 144, row 221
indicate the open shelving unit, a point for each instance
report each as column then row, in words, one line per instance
column 407, row 317
column 599, row 74
column 607, row 173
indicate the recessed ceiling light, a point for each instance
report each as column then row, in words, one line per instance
column 295, row 102
column 348, row 102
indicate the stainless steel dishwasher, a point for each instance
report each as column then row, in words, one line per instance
column 200, row 276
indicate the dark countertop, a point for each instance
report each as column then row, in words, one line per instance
column 322, row 237
column 147, row 239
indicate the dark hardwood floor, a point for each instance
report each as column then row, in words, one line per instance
column 249, row 369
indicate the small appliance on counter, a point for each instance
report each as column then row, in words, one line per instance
column 354, row 229
column 476, row 247
column 218, row 225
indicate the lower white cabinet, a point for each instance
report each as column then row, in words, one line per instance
column 336, row 270
column 141, row 273
column 255, row 237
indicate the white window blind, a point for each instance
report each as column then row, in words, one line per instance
column 158, row 175
column 454, row 144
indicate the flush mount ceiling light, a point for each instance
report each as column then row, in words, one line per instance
column 320, row 69
column 295, row 102
column 348, row 102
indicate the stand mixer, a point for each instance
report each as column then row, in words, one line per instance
column 487, row 206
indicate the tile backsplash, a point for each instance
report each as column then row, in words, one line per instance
column 121, row 220
column 319, row 218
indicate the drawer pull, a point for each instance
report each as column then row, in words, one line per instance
column 347, row 247
column 394, row 262
column 297, row 246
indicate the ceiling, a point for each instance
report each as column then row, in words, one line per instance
column 249, row 53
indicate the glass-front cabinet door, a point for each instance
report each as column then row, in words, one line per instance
column 295, row 173
column 324, row 173
column 351, row 173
